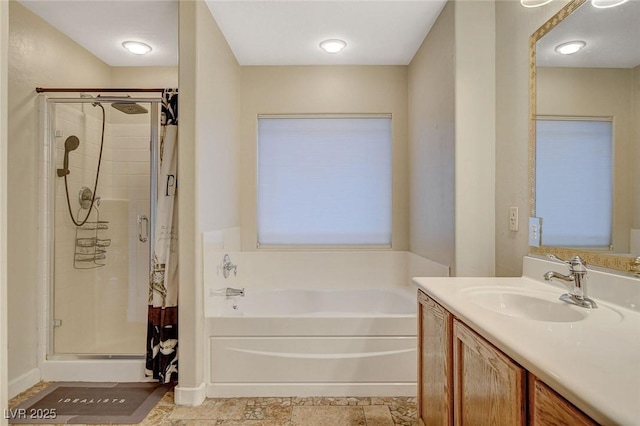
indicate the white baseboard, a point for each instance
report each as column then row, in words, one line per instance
column 190, row 396
column 24, row 382
column 244, row 390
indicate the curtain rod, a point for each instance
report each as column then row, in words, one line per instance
column 90, row 89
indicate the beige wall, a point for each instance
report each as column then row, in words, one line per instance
column 4, row 55
column 514, row 25
column 323, row 89
column 432, row 143
column 39, row 55
column 475, row 138
column 207, row 160
column 218, row 79
column 190, row 326
column 635, row 189
column 599, row 92
column 452, row 140
column 144, row 77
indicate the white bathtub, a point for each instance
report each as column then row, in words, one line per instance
column 312, row 343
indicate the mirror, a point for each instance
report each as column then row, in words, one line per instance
column 591, row 94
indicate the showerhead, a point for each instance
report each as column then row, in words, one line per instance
column 125, row 105
column 129, row 107
column 70, row 144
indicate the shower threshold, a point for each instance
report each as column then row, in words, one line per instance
column 71, row 357
column 94, row 368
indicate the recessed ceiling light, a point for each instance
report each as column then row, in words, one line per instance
column 604, row 4
column 570, row 47
column 534, row 3
column 333, row 45
column 137, row 47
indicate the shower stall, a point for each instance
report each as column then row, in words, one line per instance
column 98, row 192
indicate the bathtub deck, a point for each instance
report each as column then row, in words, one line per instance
column 289, row 411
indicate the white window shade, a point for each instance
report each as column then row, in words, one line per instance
column 324, row 181
column 574, row 182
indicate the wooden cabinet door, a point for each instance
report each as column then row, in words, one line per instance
column 435, row 374
column 490, row 389
column 547, row 408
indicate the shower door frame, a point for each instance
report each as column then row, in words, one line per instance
column 48, row 196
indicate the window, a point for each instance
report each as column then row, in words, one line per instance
column 324, row 180
column 574, row 181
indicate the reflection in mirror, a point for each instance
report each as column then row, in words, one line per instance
column 584, row 133
column 570, row 217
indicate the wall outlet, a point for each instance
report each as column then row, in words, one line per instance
column 535, row 231
column 513, row 218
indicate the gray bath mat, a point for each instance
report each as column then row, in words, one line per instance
column 89, row 403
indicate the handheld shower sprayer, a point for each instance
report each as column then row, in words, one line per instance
column 127, row 106
column 70, row 144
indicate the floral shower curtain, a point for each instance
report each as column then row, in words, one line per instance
column 162, row 324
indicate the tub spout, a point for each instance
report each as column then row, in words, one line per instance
column 231, row 292
column 227, row 292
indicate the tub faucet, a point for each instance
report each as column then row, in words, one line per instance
column 576, row 281
column 227, row 267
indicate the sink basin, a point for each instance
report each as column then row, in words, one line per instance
column 533, row 305
column 528, row 306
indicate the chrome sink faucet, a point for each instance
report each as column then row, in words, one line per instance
column 576, row 281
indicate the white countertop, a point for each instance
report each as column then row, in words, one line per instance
column 594, row 362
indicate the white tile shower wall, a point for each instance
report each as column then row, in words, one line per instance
column 129, row 157
column 124, row 294
column 74, row 291
column 97, row 305
column 114, row 332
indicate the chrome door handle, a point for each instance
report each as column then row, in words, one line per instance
column 143, row 218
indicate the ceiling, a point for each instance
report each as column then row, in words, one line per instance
column 289, row 32
column 100, row 26
column 264, row 32
column 612, row 37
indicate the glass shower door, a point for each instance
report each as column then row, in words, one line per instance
column 100, row 262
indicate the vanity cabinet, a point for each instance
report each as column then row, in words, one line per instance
column 435, row 384
column 489, row 388
column 547, row 408
column 464, row 380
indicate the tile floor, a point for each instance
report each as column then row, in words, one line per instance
column 293, row 411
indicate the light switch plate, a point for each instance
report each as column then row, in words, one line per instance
column 513, row 218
